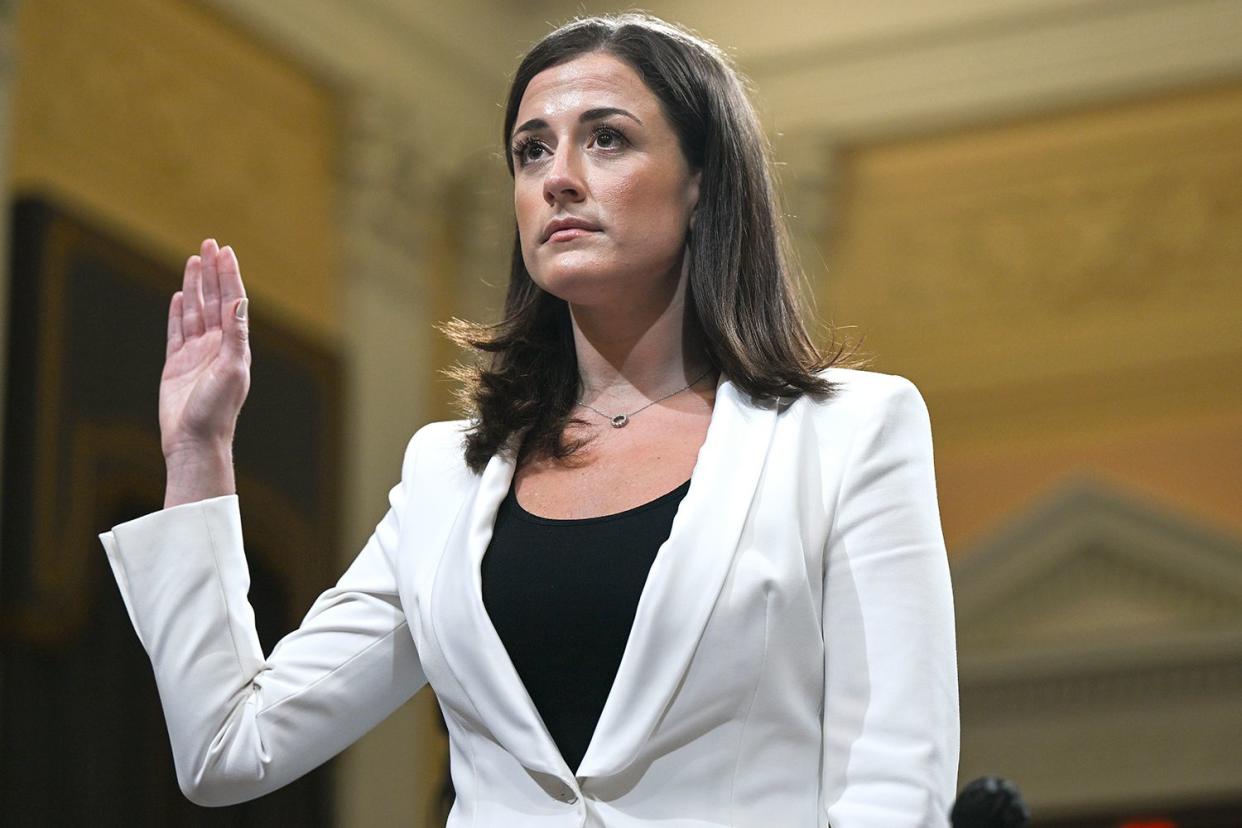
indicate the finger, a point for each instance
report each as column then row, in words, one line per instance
column 231, row 287
column 236, row 342
column 211, row 285
column 175, row 340
column 192, row 299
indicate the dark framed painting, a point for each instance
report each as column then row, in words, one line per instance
column 83, row 736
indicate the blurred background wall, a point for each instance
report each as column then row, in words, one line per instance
column 1029, row 207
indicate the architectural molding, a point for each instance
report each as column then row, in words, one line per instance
column 1134, row 687
column 1086, row 518
column 384, row 190
column 1093, row 630
column 952, row 27
column 366, row 41
column 1045, row 57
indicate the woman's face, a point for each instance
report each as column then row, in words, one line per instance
column 592, row 147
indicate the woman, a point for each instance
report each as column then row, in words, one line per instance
column 677, row 568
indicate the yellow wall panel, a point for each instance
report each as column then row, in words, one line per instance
column 1065, row 291
column 162, row 122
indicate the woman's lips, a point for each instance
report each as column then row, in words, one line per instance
column 569, row 234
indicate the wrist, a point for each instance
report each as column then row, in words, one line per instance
column 197, row 452
column 198, row 473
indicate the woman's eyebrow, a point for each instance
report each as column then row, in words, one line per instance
column 588, row 115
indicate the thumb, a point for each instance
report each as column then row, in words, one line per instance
column 237, row 329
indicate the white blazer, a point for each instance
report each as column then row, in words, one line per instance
column 791, row 663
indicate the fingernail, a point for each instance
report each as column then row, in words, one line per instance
column 242, row 308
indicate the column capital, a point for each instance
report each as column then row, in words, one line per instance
column 387, row 187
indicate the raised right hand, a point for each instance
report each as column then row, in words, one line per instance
column 207, row 362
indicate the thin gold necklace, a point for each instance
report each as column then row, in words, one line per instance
column 621, row 420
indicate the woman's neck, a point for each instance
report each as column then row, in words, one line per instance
column 635, row 354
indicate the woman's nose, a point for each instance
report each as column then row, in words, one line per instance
column 564, row 179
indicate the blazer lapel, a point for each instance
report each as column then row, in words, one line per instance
column 686, row 578
column 470, row 644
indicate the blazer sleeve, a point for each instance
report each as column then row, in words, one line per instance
column 240, row 724
column 890, row 717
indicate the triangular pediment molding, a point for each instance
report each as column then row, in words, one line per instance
column 1090, row 566
column 1100, row 652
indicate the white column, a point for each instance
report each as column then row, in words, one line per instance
column 806, row 167
column 387, row 336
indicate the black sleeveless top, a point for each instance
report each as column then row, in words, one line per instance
column 562, row 596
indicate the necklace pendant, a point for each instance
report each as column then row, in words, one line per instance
column 619, row 421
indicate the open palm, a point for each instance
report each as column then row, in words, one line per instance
column 207, row 361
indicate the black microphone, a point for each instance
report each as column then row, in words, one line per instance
column 990, row 802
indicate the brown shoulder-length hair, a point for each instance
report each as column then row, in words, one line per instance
column 741, row 291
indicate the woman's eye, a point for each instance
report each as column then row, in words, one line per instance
column 528, row 151
column 608, row 138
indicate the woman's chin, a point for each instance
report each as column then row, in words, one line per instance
column 580, row 285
